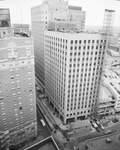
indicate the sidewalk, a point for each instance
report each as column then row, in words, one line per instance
column 57, row 121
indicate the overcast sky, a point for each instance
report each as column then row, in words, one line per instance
column 20, row 10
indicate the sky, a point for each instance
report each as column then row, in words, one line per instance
column 20, row 10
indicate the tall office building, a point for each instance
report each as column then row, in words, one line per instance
column 50, row 10
column 18, row 121
column 73, row 65
column 108, row 21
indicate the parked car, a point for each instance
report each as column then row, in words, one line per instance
column 94, row 125
column 101, row 127
column 115, row 120
column 98, row 129
column 108, row 131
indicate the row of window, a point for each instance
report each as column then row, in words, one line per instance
column 87, row 41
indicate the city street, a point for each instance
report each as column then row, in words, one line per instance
column 45, row 130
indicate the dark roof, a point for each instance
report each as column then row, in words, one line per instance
column 46, row 144
column 101, row 143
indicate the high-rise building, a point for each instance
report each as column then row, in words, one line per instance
column 18, row 121
column 76, row 15
column 5, row 17
column 73, row 65
column 51, row 10
column 108, row 21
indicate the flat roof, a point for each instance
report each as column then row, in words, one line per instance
column 46, row 144
column 112, row 80
column 100, row 143
column 75, row 32
column 106, row 95
column 80, row 124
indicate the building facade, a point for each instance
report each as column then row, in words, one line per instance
column 76, row 15
column 21, row 28
column 108, row 21
column 50, row 10
column 5, row 17
column 109, row 95
column 18, row 121
column 73, row 66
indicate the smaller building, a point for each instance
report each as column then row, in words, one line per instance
column 6, row 32
column 46, row 144
column 5, row 17
column 80, row 127
column 109, row 95
column 58, row 25
column 107, row 142
column 77, row 15
column 21, row 28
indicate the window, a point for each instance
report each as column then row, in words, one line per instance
column 20, row 108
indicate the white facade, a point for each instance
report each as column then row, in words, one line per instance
column 73, row 63
column 50, row 10
column 108, row 21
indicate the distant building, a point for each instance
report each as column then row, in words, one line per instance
column 21, row 28
column 46, row 16
column 5, row 17
column 73, row 66
column 46, row 144
column 18, row 121
column 108, row 21
column 6, row 32
column 59, row 25
column 75, row 14
column 107, row 142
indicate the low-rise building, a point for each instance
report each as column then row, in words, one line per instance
column 21, row 28
column 107, row 142
column 80, row 127
column 109, row 95
column 46, row 144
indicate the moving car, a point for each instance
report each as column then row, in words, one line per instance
column 43, row 122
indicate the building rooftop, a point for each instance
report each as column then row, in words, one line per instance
column 107, row 142
column 113, row 80
column 46, row 144
column 9, row 32
column 78, row 32
column 80, row 124
column 106, row 95
column 113, row 53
